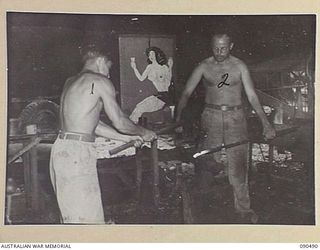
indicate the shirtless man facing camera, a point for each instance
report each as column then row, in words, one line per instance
column 73, row 160
column 223, row 119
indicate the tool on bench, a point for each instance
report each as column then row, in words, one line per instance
column 131, row 143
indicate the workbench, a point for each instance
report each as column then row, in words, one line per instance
column 107, row 166
column 29, row 154
column 281, row 130
column 31, row 176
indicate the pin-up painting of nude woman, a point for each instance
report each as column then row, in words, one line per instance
column 159, row 72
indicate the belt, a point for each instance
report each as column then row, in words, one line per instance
column 76, row 136
column 223, row 107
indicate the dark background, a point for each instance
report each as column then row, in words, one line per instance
column 43, row 49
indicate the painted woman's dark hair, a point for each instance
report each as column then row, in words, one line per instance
column 160, row 55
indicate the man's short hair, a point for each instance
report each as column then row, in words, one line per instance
column 91, row 51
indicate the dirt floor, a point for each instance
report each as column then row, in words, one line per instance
column 282, row 192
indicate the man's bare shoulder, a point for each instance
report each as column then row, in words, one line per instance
column 203, row 65
column 238, row 62
column 90, row 81
column 96, row 78
column 207, row 61
column 93, row 76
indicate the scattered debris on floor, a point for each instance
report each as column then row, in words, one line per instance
column 281, row 193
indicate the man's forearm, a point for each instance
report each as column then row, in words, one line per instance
column 105, row 130
column 259, row 110
column 181, row 105
column 126, row 126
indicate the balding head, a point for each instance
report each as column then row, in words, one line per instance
column 221, row 36
column 221, row 44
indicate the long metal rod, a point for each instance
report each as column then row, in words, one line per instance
column 216, row 149
column 35, row 141
column 131, row 143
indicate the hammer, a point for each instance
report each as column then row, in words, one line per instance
column 131, row 143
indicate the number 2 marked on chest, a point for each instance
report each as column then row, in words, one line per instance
column 224, row 80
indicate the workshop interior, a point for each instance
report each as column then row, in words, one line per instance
column 161, row 182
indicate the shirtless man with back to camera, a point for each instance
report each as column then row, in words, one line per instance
column 73, row 157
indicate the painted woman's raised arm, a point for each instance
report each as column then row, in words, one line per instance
column 137, row 73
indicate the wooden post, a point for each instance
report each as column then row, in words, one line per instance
column 250, row 160
column 26, row 176
column 187, row 203
column 35, row 187
column 178, row 178
column 271, row 156
column 139, row 173
column 154, row 154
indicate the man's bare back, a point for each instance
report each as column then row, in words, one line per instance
column 222, row 81
column 73, row 157
column 80, row 103
column 82, row 100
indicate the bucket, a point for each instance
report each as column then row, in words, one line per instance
column 31, row 129
column 13, row 126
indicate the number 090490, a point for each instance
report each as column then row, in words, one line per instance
column 312, row 246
